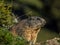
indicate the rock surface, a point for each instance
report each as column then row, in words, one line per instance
column 54, row 41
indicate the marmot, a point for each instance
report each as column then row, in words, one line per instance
column 29, row 28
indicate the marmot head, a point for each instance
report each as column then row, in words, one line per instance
column 35, row 21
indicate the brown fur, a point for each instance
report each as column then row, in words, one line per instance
column 28, row 32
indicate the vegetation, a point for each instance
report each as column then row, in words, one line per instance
column 6, row 38
column 7, row 20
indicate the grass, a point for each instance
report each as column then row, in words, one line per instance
column 46, row 34
column 36, row 3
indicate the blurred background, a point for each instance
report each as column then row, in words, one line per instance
column 47, row 9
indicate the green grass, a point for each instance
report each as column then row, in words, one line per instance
column 46, row 34
column 36, row 3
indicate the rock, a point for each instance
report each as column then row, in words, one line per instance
column 54, row 41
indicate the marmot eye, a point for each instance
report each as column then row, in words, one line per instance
column 38, row 19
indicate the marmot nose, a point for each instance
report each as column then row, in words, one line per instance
column 43, row 22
